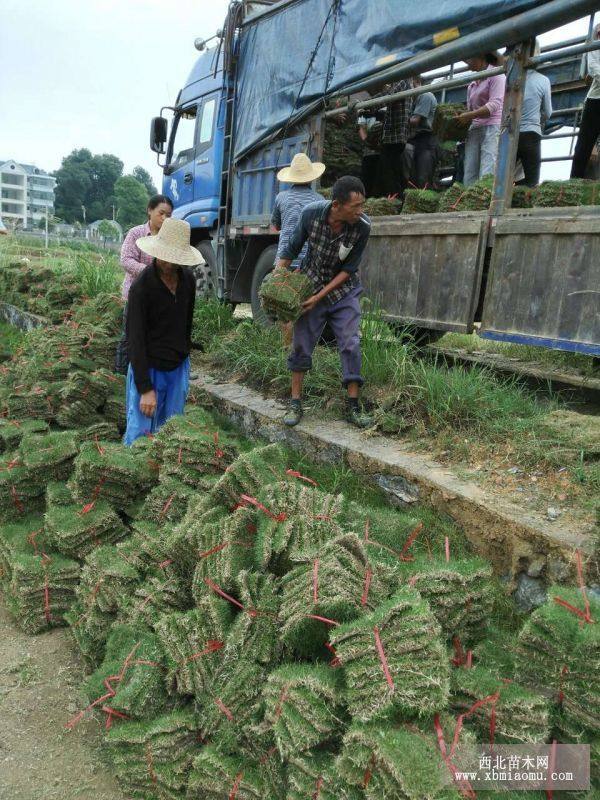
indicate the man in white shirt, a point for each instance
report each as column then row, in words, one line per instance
column 589, row 129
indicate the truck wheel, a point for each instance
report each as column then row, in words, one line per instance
column 264, row 266
column 203, row 273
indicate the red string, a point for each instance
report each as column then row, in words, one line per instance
column 167, row 505
column 222, row 707
column 447, row 547
column 111, row 712
column 17, row 500
column 561, row 680
column 212, row 646
column 31, row 539
column 236, row 786
column 464, row 786
column 254, row 502
column 417, row 530
column 382, row 658
column 211, row 585
column 493, row 699
column 367, row 529
column 586, row 615
column 335, row 661
column 282, row 698
column 101, row 449
column 322, row 619
column 369, row 771
column 294, row 474
column 317, row 792
column 150, row 762
column 315, row 581
column 365, row 594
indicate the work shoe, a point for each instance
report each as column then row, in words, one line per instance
column 294, row 414
column 358, row 417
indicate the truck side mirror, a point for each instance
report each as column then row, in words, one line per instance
column 158, row 134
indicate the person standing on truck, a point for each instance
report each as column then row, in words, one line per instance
column 393, row 170
column 485, row 101
column 160, row 310
column 134, row 262
column 537, row 109
column 337, row 233
column 589, row 127
column 424, row 144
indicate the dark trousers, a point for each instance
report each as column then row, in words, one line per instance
column 425, row 160
column 589, row 130
column 529, row 151
column 393, row 178
column 370, row 174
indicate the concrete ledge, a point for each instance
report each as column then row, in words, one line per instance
column 20, row 319
column 515, row 541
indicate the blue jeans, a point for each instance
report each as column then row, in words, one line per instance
column 171, row 393
column 344, row 319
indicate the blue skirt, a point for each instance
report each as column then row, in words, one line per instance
column 171, row 393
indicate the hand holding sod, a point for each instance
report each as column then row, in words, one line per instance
column 148, row 403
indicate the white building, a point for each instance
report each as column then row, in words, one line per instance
column 25, row 193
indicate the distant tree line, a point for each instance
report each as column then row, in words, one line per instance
column 88, row 187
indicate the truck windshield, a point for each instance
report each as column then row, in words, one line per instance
column 183, row 143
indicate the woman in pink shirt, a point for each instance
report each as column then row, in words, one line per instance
column 134, row 262
column 485, row 100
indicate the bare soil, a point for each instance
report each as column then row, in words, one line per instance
column 40, row 678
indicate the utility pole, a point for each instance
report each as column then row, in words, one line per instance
column 46, row 229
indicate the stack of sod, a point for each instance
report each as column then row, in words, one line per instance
column 58, row 494
column 333, row 585
column 254, row 632
column 300, row 520
column 147, row 549
column 49, row 456
column 27, row 401
column 567, row 731
column 447, row 152
column 522, row 197
column 39, row 586
column 394, row 659
column 76, row 531
column 451, row 198
column 104, row 308
column 12, row 432
column 61, row 294
column 382, row 207
column 133, row 668
column 216, row 776
column 154, row 758
column 248, row 475
column 82, row 395
column 445, row 126
column 113, row 409
column 342, row 150
column 167, row 502
column 20, row 493
column 581, row 703
column 156, row 595
column 521, row 715
column 283, row 292
column 312, row 775
column 226, row 547
column 184, row 543
column 303, row 706
column 395, row 762
column 193, row 642
column 420, row 201
column 100, row 431
column 118, row 474
column 574, row 192
column 477, row 196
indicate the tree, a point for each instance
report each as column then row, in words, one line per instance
column 143, row 176
column 107, row 231
column 86, row 180
column 106, row 170
column 132, row 201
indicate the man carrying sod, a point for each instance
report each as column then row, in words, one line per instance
column 337, row 233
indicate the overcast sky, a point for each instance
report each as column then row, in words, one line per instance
column 92, row 73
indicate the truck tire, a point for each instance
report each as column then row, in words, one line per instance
column 204, row 273
column 264, row 266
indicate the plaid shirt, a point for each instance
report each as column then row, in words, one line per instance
column 397, row 117
column 328, row 253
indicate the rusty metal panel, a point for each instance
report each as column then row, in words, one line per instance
column 544, row 280
column 425, row 269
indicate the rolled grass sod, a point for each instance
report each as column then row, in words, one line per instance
column 283, row 292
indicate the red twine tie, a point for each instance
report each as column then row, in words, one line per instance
column 369, row 771
column 382, row 658
column 447, row 547
column 17, row 500
column 31, row 539
column 294, row 474
column 365, row 594
column 561, row 681
column 464, row 786
column 236, row 786
column 335, row 661
column 282, row 698
column 585, row 615
column 150, row 762
column 212, row 646
column 315, row 581
column 322, row 619
column 317, row 792
column 212, row 585
column 254, row 502
column 417, row 530
column 167, row 506
column 222, row 707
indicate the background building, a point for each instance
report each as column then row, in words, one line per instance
column 26, row 191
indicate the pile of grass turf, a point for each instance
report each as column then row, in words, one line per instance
column 49, row 456
column 100, row 431
column 382, row 207
column 581, row 703
column 104, row 308
column 335, row 584
column 113, row 409
column 21, row 493
column 58, row 494
column 215, row 776
column 147, row 548
column 394, row 659
column 225, row 548
column 522, row 715
column 118, row 474
column 522, row 197
column 460, row 593
column 451, row 198
column 76, row 531
column 567, row 731
column 574, row 192
column 254, row 632
column 193, row 642
column 133, row 654
column 301, row 520
column 313, row 774
column 283, row 292
column 154, row 758
column 167, row 502
column 33, row 401
column 81, row 397
column 445, row 126
column 39, row 586
column 248, row 475
column 420, row 201
column 12, row 432
column 393, row 761
column 156, row 595
column 61, row 294
column 303, row 706
column 477, row 196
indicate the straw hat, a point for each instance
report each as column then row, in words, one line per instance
column 172, row 244
column 301, row 170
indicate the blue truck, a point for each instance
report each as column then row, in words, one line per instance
column 269, row 88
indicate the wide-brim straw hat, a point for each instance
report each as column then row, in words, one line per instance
column 301, row 170
column 172, row 244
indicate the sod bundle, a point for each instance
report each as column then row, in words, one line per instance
column 100, row 431
column 420, row 201
column 334, row 585
column 21, row 491
column 477, row 196
column 254, row 632
column 12, row 432
column 522, row 197
column 118, row 474
column 382, row 207
column 215, row 776
column 521, row 715
column 167, row 502
column 81, row 397
column 58, row 494
column 283, row 292
column 300, row 520
column 581, row 694
column 104, row 308
column 313, row 775
column 113, row 409
column 342, row 150
column 76, row 531
column 574, row 192
column 248, row 475
column 225, row 548
column 445, row 126
column 303, row 706
column 451, row 198
column 394, row 660
column 153, row 759
column 156, row 595
column 49, row 456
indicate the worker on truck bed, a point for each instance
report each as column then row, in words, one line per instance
column 134, row 262
column 337, row 233
column 160, row 310
column 393, row 174
column 589, row 128
column 485, row 100
column 425, row 149
column 537, row 109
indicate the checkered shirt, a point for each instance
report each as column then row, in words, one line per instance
column 397, row 117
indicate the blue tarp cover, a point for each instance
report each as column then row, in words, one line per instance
column 360, row 38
